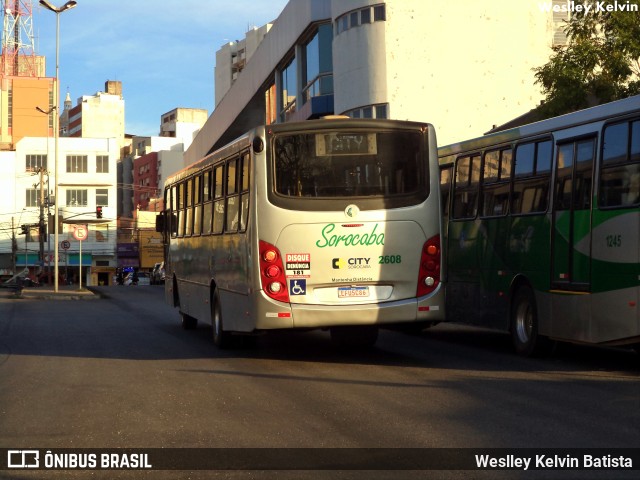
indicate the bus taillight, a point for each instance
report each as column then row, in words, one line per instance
column 429, row 276
column 272, row 273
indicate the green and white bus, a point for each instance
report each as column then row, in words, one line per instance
column 331, row 223
column 542, row 227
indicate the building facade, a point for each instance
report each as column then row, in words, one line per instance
column 153, row 159
column 87, row 180
column 463, row 66
column 96, row 116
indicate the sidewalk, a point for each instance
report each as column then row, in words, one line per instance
column 65, row 292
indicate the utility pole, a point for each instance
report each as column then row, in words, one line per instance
column 14, row 245
column 41, row 224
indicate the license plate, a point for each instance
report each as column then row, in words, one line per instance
column 351, row 292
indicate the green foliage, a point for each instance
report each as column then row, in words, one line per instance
column 599, row 64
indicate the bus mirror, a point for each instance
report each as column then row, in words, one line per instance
column 160, row 222
column 258, row 145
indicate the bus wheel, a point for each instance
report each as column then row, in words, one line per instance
column 524, row 324
column 355, row 336
column 187, row 321
column 221, row 338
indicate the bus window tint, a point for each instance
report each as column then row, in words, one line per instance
column 620, row 175
column 348, row 164
column 543, row 157
column 467, row 182
column 635, row 142
column 532, row 176
column 524, row 159
column 615, row 143
column 219, row 202
column 495, row 183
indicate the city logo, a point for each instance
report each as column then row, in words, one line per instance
column 351, row 263
column 338, row 263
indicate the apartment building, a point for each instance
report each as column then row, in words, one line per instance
column 463, row 66
column 87, row 180
column 96, row 116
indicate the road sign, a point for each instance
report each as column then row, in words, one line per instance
column 65, row 244
column 80, row 232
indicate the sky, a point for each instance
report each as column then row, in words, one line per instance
column 163, row 51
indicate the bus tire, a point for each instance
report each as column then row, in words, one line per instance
column 221, row 339
column 524, row 324
column 188, row 322
column 354, row 336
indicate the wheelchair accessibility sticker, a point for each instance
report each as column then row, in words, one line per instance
column 298, row 287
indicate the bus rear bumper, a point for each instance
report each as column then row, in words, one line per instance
column 426, row 309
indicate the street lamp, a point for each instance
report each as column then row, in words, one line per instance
column 56, row 133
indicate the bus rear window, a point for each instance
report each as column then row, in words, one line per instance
column 345, row 164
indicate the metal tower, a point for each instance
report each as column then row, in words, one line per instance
column 18, row 53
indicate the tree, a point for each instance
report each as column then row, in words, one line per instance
column 600, row 62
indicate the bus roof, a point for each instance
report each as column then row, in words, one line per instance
column 588, row 115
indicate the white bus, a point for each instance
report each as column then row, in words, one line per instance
column 331, row 224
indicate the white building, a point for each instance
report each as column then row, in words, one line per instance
column 87, row 180
column 232, row 57
column 463, row 66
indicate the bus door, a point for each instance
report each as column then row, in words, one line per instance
column 571, row 216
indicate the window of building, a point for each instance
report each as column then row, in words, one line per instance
column 32, row 197
column 369, row 111
column 102, row 164
column 318, row 64
column 76, row 197
column 10, row 106
column 359, row 17
column 102, row 197
column 36, row 162
column 379, row 13
column 77, row 164
column 365, row 16
column 271, row 105
column 289, row 90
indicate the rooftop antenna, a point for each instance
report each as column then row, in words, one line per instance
column 18, row 56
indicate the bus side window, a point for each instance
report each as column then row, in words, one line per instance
column 495, row 183
column 232, row 197
column 207, row 208
column 197, row 205
column 467, row 182
column 180, row 201
column 173, row 210
column 532, row 173
column 188, row 228
column 244, row 199
column 445, row 189
column 218, row 200
column 620, row 168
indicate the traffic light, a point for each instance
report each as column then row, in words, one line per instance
column 98, row 212
column 24, row 229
